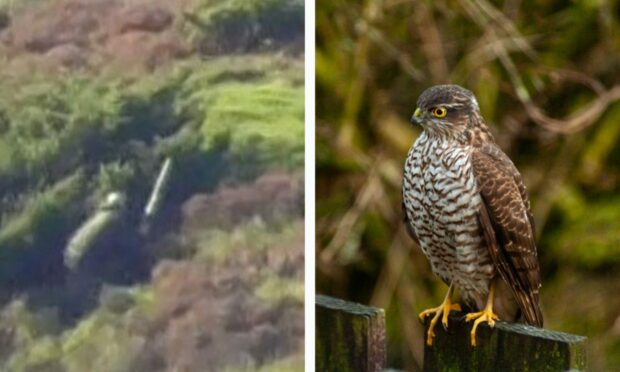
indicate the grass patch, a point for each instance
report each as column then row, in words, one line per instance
column 254, row 236
column 102, row 341
column 258, row 104
column 275, row 289
column 292, row 363
column 46, row 212
column 217, row 26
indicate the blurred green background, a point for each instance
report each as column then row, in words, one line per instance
column 547, row 77
column 94, row 96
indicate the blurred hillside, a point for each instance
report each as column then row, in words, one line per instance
column 95, row 95
column 547, row 77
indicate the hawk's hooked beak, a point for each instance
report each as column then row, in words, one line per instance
column 417, row 116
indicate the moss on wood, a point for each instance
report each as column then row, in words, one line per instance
column 506, row 347
column 349, row 336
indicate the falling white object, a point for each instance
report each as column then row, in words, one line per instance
column 80, row 242
column 157, row 195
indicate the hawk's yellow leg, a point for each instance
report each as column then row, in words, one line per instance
column 442, row 311
column 486, row 315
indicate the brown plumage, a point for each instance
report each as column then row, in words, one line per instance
column 508, row 227
column 467, row 207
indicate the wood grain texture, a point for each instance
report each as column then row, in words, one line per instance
column 349, row 336
column 506, row 347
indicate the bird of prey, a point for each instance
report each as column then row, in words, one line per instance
column 467, row 208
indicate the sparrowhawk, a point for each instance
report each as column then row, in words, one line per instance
column 467, row 207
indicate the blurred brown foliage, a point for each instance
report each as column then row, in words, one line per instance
column 547, row 77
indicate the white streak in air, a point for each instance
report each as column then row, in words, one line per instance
column 159, row 189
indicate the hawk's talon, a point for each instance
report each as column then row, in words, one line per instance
column 442, row 311
column 486, row 315
column 444, row 318
column 490, row 314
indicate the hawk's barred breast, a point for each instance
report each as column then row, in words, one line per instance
column 442, row 202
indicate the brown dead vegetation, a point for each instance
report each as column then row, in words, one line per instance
column 271, row 196
column 94, row 33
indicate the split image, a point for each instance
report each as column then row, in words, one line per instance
column 290, row 185
column 151, row 185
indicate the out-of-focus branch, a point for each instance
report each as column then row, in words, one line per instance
column 484, row 52
column 412, row 328
column 564, row 75
column 432, row 45
column 556, row 175
column 403, row 59
column 359, row 79
column 506, row 25
column 396, row 259
column 578, row 121
column 389, row 172
column 372, row 194
column 349, row 220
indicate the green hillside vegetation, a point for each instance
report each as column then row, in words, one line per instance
column 115, row 336
column 225, row 25
column 78, row 122
column 66, row 133
column 53, row 123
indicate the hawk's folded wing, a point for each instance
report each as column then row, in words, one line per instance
column 508, row 227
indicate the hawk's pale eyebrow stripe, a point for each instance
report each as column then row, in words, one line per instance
column 448, row 105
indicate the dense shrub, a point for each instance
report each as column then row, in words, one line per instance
column 243, row 25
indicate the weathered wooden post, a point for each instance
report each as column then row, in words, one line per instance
column 506, row 347
column 349, row 336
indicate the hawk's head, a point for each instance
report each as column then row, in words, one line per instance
column 446, row 110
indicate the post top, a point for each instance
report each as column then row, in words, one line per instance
column 346, row 306
column 541, row 333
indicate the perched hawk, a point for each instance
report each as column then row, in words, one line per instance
column 467, row 208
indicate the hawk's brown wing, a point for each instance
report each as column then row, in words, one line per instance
column 508, row 227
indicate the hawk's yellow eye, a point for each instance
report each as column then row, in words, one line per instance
column 440, row 112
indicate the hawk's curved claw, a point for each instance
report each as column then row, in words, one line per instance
column 442, row 311
column 486, row 315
